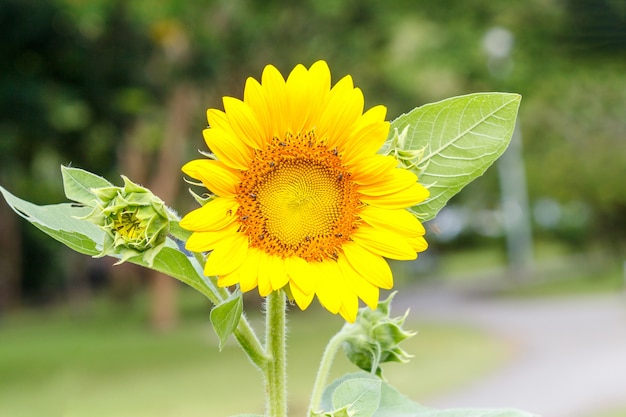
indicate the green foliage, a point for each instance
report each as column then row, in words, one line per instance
column 63, row 223
column 78, row 185
column 60, row 221
column 456, row 139
column 382, row 400
column 225, row 317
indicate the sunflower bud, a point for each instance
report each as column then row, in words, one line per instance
column 374, row 337
column 135, row 221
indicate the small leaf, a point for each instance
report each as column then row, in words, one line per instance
column 457, row 140
column 225, row 317
column 78, row 183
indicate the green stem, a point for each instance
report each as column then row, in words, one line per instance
column 250, row 344
column 244, row 333
column 276, row 371
column 324, row 370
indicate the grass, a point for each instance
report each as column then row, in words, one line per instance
column 110, row 364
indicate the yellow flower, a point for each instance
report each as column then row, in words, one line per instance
column 303, row 201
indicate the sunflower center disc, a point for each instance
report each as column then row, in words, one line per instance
column 300, row 200
column 297, row 199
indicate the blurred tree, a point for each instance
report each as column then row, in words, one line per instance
column 114, row 86
column 64, row 97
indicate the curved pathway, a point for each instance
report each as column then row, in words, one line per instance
column 569, row 352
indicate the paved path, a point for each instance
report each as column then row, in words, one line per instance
column 569, row 353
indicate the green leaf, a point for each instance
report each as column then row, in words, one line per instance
column 394, row 404
column 78, row 184
column 171, row 261
column 459, row 138
column 60, row 221
column 360, row 395
column 225, row 317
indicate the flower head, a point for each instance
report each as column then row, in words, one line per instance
column 303, row 200
column 135, row 221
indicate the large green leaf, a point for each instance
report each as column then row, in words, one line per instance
column 62, row 222
column 391, row 403
column 459, row 138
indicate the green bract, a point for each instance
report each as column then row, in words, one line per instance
column 374, row 338
column 135, row 221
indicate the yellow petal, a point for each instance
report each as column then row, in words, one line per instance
column 319, row 86
column 206, row 241
column 407, row 197
column 244, row 123
column 298, row 97
column 369, row 265
column 218, row 120
column 366, row 291
column 345, row 105
column 272, row 270
column 228, row 280
column 397, row 221
column 331, row 287
column 213, row 216
column 302, row 299
column 215, row 176
column 374, row 115
column 349, row 308
column 391, row 182
column 302, row 274
column 227, row 256
column 249, row 273
column 255, row 98
column 275, row 93
column 228, row 149
column 368, row 169
column 365, row 142
column 384, row 243
column 418, row 243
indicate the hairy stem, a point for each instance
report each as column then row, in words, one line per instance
column 324, row 370
column 276, row 371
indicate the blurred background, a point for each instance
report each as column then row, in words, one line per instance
column 116, row 86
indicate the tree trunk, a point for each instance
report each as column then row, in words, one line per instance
column 10, row 259
column 166, row 184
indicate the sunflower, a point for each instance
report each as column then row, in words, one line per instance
column 301, row 199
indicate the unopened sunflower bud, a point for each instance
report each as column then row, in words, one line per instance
column 135, row 221
column 374, row 338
